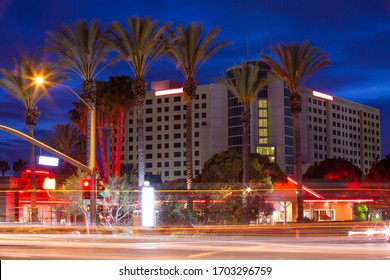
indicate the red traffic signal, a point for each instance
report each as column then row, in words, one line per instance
column 86, row 185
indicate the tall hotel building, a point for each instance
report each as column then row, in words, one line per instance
column 331, row 127
column 165, row 129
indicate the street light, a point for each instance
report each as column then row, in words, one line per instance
column 91, row 132
column 92, row 139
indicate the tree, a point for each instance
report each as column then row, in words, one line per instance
column 81, row 51
column 119, row 202
column 226, row 167
column 189, row 48
column 4, row 167
column 19, row 165
column 245, row 83
column 70, row 190
column 140, row 46
column 334, row 169
column 67, row 139
column 121, row 99
column 294, row 64
column 20, row 83
column 379, row 171
column 360, row 212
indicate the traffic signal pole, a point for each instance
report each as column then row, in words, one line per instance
column 92, row 162
column 93, row 201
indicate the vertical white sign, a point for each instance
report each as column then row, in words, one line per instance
column 148, row 215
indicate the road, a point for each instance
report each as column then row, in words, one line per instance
column 171, row 247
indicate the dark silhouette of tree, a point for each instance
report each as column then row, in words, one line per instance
column 19, row 165
column 334, row 169
column 4, row 167
column 379, row 171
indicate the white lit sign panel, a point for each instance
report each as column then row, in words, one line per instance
column 322, row 95
column 168, row 91
column 148, row 218
column 50, row 161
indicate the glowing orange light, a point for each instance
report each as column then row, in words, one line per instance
column 39, row 80
column 49, row 184
column 322, row 95
column 168, row 91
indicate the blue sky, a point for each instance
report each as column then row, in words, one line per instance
column 355, row 34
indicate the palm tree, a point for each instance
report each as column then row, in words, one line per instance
column 20, row 84
column 19, row 165
column 122, row 99
column 4, row 167
column 140, row 46
column 65, row 138
column 103, row 110
column 294, row 64
column 245, row 83
column 189, row 48
column 81, row 51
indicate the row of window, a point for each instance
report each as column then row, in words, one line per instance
column 176, row 173
column 317, row 102
column 166, row 145
column 175, row 99
column 160, row 155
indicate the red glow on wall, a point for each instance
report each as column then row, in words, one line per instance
column 322, row 95
column 168, row 91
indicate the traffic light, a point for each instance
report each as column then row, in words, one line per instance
column 100, row 188
column 86, row 185
column 100, row 208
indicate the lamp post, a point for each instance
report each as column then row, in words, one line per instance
column 91, row 134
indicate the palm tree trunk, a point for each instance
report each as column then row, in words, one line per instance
column 298, row 162
column 245, row 158
column 33, row 188
column 189, row 167
column 139, row 88
column 245, row 147
column 190, row 90
column 296, row 108
column 103, row 152
column 113, row 145
column 119, row 143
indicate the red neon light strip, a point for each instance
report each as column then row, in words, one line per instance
column 45, row 202
column 339, row 200
column 168, row 91
column 304, row 187
column 322, row 95
column 38, row 171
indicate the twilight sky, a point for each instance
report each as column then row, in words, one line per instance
column 355, row 34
